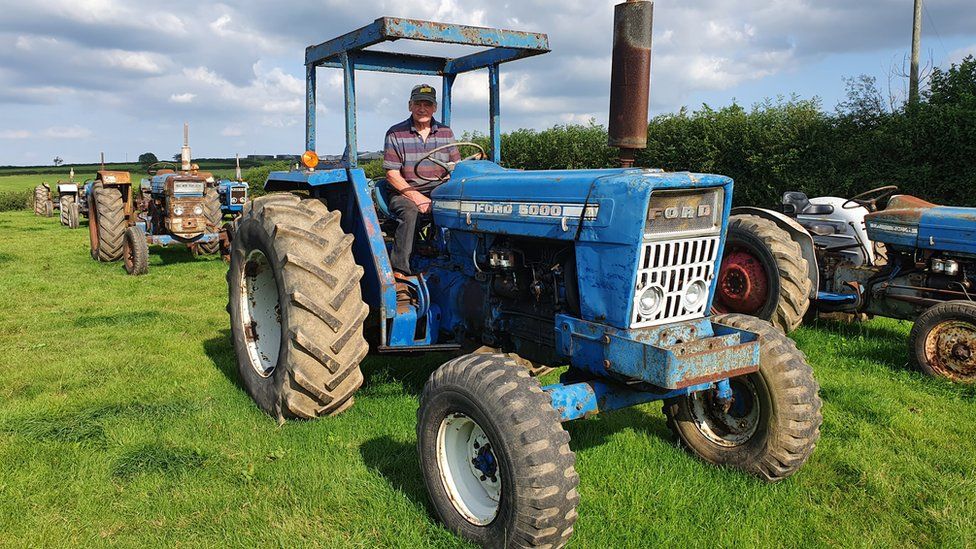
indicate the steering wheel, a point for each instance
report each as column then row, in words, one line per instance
column 448, row 166
column 869, row 199
column 156, row 166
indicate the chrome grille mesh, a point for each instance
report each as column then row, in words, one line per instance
column 672, row 266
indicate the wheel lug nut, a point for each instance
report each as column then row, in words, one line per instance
column 476, row 446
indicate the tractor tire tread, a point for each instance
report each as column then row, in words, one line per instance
column 795, row 283
column 111, row 221
column 797, row 407
column 324, row 339
column 545, row 494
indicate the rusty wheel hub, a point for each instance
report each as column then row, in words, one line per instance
column 743, row 284
column 949, row 350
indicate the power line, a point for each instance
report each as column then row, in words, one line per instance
column 937, row 35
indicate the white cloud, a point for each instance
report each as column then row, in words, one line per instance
column 67, row 132
column 15, row 134
column 956, row 56
column 182, row 97
column 232, row 131
column 136, row 61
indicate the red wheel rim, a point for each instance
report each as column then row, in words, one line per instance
column 743, row 285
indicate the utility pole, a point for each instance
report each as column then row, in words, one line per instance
column 916, row 43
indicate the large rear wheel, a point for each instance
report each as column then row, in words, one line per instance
column 211, row 210
column 772, row 424
column 42, row 196
column 106, row 228
column 763, row 274
column 495, row 459
column 295, row 307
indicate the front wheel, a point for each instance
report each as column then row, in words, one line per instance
column 135, row 251
column 943, row 341
column 773, row 423
column 494, row 456
column 73, row 215
column 65, row 203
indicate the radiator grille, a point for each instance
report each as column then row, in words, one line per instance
column 673, row 266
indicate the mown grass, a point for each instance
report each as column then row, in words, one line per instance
column 122, row 423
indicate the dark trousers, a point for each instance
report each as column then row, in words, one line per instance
column 406, row 213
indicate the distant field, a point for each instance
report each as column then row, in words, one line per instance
column 29, row 181
column 122, row 422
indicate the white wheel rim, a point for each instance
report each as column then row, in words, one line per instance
column 732, row 427
column 469, row 471
column 260, row 313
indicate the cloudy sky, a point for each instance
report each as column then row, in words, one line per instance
column 120, row 76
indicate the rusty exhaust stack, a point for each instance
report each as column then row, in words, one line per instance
column 630, row 77
column 185, row 160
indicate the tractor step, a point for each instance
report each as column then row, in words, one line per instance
column 418, row 348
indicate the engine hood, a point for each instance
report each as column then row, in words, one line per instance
column 911, row 222
column 611, row 203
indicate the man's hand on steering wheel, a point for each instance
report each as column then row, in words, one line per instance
column 448, row 166
column 869, row 199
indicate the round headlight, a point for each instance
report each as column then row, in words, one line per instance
column 650, row 301
column 177, row 210
column 695, row 294
column 198, row 210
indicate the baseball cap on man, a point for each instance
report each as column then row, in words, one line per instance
column 423, row 92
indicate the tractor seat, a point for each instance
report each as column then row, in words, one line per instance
column 379, row 189
column 796, row 203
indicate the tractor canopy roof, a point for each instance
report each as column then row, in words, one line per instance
column 349, row 52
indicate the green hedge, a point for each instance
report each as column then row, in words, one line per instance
column 16, row 200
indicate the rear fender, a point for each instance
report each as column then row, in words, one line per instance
column 796, row 232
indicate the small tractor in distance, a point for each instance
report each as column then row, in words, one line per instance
column 233, row 193
column 609, row 272
column 179, row 207
column 72, row 201
column 877, row 253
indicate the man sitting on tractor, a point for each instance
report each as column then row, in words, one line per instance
column 405, row 144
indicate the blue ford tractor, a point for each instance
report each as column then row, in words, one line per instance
column 233, row 193
column 609, row 273
column 877, row 253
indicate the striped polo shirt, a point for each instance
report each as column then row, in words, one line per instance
column 404, row 147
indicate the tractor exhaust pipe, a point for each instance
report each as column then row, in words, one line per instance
column 630, row 77
column 185, row 152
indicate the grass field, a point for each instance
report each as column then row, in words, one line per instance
column 122, row 423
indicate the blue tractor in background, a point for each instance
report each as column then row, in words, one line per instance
column 876, row 253
column 233, row 193
column 608, row 272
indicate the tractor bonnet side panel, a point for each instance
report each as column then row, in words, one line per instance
column 612, row 204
